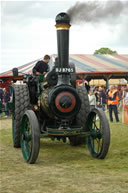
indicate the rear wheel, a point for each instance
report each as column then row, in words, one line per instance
column 30, row 137
column 82, row 115
column 20, row 104
column 99, row 140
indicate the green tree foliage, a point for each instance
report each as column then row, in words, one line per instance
column 105, row 51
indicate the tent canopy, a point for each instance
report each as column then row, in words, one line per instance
column 87, row 66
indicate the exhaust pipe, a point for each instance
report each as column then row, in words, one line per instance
column 62, row 27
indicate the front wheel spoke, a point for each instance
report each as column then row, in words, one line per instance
column 27, row 149
column 95, row 146
column 98, row 144
column 92, row 142
column 99, row 133
column 29, row 146
column 95, row 125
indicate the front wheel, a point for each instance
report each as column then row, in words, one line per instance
column 99, row 139
column 30, row 137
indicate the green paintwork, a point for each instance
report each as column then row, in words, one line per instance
column 41, row 78
column 95, row 133
column 65, row 132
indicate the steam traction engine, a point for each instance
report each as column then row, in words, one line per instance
column 56, row 108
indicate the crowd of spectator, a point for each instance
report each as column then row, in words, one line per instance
column 111, row 99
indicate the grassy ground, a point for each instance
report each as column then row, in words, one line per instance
column 61, row 168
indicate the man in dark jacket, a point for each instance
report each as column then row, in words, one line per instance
column 102, row 98
column 41, row 66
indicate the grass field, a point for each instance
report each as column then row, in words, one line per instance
column 61, row 168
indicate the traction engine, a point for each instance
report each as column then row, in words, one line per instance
column 53, row 106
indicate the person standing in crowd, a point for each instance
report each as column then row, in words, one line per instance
column 102, row 98
column 121, row 96
column 87, row 87
column 41, row 66
column 6, row 99
column 126, row 96
column 1, row 99
column 96, row 92
column 92, row 99
column 113, row 100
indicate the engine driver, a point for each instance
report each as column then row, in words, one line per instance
column 41, row 66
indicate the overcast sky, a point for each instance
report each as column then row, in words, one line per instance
column 28, row 31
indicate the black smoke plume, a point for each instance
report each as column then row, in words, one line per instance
column 95, row 11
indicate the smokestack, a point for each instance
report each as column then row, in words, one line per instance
column 62, row 27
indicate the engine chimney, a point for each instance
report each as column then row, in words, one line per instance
column 62, row 26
